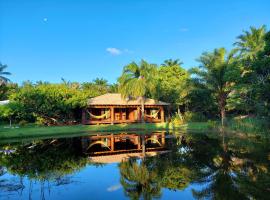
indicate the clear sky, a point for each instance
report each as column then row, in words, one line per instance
column 80, row 40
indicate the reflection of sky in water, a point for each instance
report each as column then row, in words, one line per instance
column 90, row 183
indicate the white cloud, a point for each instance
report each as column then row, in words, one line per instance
column 114, row 51
column 113, row 188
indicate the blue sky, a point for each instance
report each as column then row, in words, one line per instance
column 84, row 39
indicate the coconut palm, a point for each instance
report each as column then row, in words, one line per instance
column 171, row 62
column 3, row 74
column 137, row 81
column 139, row 182
column 251, row 42
column 218, row 72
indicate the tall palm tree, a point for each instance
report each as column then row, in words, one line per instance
column 3, row 74
column 139, row 182
column 171, row 62
column 251, row 42
column 137, row 81
column 218, row 72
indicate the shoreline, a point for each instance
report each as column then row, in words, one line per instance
column 54, row 131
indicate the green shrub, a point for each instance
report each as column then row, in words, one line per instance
column 23, row 123
column 194, row 117
column 212, row 124
column 249, row 125
column 177, row 120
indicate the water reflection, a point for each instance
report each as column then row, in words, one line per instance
column 150, row 165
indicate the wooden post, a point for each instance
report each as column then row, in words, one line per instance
column 163, row 138
column 112, row 114
column 83, row 116
column 143, row 145
column 162, row 114
column 139, row 142
column 138, row 113
column 112, row 142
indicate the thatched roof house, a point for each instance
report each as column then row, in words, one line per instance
column 112, row 108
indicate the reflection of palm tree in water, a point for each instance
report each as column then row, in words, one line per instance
column 138, row 181
column 220, row 174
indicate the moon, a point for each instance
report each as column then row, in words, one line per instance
column 45, row 19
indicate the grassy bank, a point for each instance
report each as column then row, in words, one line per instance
column 39, row 131
column 249, row 126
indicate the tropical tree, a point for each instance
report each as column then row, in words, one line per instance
column 171, row 62
column 137, row 80
column 249, row 45
column 251, row 42
column 172, row 82
column 138, row 181
column 218, row 72
column 261, row 80
column 3, row 74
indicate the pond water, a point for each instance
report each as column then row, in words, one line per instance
column 153, row 165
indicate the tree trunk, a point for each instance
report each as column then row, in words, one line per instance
column 142, row 110
column 9, row 122
column 223, row 116
column 222, row 104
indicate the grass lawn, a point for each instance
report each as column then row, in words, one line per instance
column 39, row 131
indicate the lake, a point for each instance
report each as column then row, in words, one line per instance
column 134, row 165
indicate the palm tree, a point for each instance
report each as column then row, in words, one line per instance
column 139, row 182
column 3, row 74
column 218, row 73
column 251, row 42
column 137, row 81
column 171, row 62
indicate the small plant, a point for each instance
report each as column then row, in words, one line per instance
column 177, row 120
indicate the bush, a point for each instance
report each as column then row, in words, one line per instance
column 249, row 125
column 23, row 122
column 212, row 124
column 194, row 117
column 177, row 120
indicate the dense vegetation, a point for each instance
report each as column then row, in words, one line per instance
column 225, row 85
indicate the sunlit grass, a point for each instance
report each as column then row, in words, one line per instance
column 38, row 131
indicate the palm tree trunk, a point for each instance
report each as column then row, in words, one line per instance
column 142, row 110
column 222, row 104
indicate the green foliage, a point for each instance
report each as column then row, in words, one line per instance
column 137, row 79
column 219, row 73
column 177, row 119
column 251, row 42
column 249, row 125
column 172, row 83
column 9, row 111
column 7, row 89
column 3, row 74
column 194, row 117
column 49, row 104
column 261, row 76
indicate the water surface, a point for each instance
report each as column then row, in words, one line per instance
column 154, row 165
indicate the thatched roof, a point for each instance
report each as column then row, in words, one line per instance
column 116, row 158
column 116, row 99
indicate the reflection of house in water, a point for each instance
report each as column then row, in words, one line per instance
column 117, row 147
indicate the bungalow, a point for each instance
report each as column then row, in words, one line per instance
column 112, row 108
